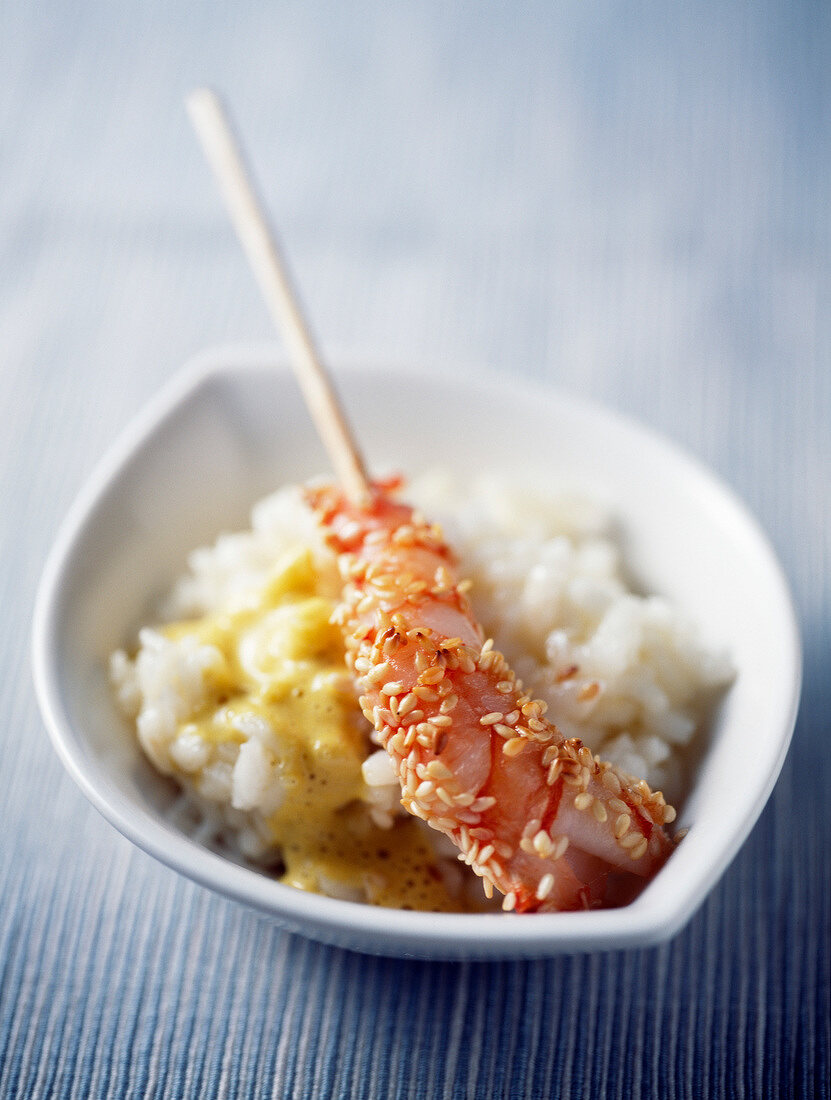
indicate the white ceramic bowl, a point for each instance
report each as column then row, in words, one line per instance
column 232, row 427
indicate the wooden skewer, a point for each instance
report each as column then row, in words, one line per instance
column 212, row 125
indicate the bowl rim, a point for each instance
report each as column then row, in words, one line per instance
column 651, row 918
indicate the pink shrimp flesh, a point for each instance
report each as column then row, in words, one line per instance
column 537, row 816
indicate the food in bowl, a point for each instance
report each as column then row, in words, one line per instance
column 244, row 698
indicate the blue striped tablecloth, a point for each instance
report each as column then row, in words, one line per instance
column 628, row 200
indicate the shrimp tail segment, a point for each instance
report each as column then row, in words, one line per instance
column 536, row 816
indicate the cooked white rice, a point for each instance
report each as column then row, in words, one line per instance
column 625, row 673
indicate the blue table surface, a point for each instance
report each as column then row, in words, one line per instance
column 627, row 200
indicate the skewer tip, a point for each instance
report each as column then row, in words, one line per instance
column 213, row 127
column 198, row 99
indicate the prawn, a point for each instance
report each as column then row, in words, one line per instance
column 535, row 815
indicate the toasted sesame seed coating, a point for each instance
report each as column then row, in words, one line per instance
column 476, row 757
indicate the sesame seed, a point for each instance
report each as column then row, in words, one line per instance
column 394, row 688
column 488, row 888
column 445, row 796
column 491, row 719
column 514, row 747
column 428, row 694
column 669, row 814
column 622, row 825
column 449, row 704
column 545, row 886
column 396, row 744
column 378, row 673
column 630, row 840
column 408, row 703
column 583, row 801
column 619, row 805
column 588, row 692
column 438, row 770
column 432, row 675
column 424, row 789
column 639, row 850
column 560, row 847
column 486, row 853
column 442, row 720
column 505, row 687
column 510, row 902
column 542, row 843
column 484, row 802
column 599, row 811
column 503, row 730
column 554, row 773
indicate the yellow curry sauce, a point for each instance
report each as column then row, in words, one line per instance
column 283, row 661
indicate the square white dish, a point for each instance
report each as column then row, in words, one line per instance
column 230, row 428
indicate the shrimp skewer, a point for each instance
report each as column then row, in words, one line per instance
column 537, row 816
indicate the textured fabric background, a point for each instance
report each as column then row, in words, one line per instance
column 629, row 200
